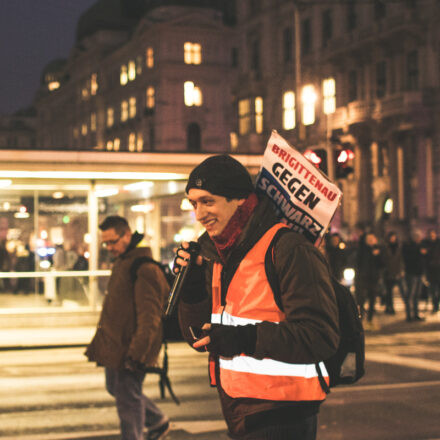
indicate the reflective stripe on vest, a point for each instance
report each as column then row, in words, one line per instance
column 250, row 300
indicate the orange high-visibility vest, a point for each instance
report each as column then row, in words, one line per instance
column 250, row 300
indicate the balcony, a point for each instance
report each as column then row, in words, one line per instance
column 354, row 113
column 412, row 104
column 398, row 105
column 391, row 30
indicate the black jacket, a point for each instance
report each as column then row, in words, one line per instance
column 393, row 261
column 432, row 260
column 414, row 259
column 308, row 335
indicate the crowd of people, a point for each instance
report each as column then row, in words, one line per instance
column 383, row 265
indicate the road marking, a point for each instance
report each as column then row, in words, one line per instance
column 386, row 386
column 191, row 427
column 199, row 427
column 66, row 436
column 386, row 358
column 45, row 382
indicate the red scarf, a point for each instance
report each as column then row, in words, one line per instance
column 226, row 240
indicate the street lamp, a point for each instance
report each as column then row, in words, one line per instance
column 308, row 99
column 299, row 125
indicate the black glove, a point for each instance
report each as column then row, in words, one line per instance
column 229, row 341
column 134, row 366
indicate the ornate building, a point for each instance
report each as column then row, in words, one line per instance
column 143, row 76
column 368, row 73
column 209, row 76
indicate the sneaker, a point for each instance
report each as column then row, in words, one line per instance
column 159, row 432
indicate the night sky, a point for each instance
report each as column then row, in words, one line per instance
column 33, row 33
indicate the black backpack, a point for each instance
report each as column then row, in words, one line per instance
column 346, row 366
column 171, row 329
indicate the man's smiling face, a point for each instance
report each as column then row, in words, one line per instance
column 212, row 211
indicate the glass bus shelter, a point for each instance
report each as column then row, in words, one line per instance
column 51, row 204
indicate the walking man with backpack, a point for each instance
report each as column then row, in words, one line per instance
column 263, row 348
column 129, row 334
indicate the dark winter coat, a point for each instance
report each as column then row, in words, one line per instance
column 370, row 270
column 414, row 259
column 308, row 335
column 131, row 319
column 433, row 260
column 393, row 263
column 337, row 259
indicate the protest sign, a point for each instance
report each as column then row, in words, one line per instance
column 305, row 198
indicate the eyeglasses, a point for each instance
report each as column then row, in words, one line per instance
column 108, row 243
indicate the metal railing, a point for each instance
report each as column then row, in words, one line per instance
column 86, row 281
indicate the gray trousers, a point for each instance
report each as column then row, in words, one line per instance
column 135, row 410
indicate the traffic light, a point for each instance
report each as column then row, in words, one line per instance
column 318, row 157
column 343, row 158
column 387, row 207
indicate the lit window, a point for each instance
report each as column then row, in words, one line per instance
column 84, row 129
column 52, row 82
column 149, row 59
column 329, row 93
column 192, row 94
column 198, row 100
column 109, row 145
column 132, row 142
column 94, row 84
column 123, row 76
column 132, row 107
column 110, row 117
column 124, row 111
column 131, row 70
column 138, row 65
column 259, row 115
column 150, row 98
column 233, row 140
column 244, row 116
column 116, row 144
column 139, row 142
column 53, row 85
column 308, row 98
column 93, row 122
column 197, row 54
column 75, row 132
column 192, row 53
column 84, row 93
column 289, row 110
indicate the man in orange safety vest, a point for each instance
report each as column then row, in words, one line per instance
column 264, row 347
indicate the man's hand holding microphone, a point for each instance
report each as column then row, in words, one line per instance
column 218, row 339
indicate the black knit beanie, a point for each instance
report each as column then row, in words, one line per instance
column 222, row 176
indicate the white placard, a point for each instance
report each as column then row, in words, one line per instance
column 305, row 198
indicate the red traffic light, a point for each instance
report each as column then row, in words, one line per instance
column 313, row 157
column 318, row 157
column 344, row 156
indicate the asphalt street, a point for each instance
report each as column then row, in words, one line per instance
column 54, row 394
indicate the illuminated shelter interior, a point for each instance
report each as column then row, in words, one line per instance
column 51, row 204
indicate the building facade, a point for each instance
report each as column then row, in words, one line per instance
column 357, row 75
column 207, row 76
column 18, row 130
column 156, row 77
